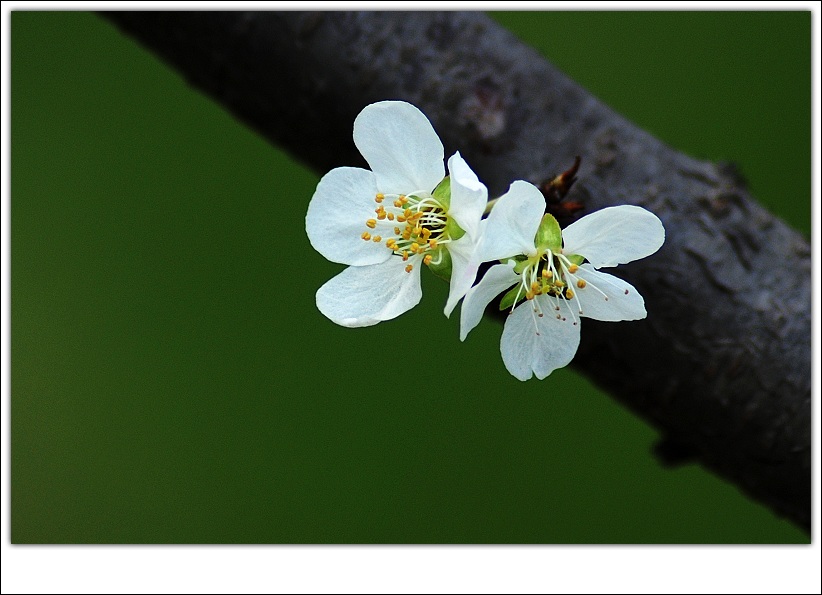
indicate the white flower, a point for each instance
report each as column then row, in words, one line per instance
column 391, row 220
column 554, row 273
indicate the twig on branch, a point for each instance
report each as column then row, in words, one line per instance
column 722, row 363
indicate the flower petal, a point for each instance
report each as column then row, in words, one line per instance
column 464, row 266
column 538, row 345
column 623, row 300
column 364, row 296
column 400, row 145
column 512, row 225
column 336, row 217
column 496, row 280
column 614, row 235
column 468, row 195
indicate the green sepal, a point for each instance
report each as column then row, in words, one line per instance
column 549, row 234
column 443, row 192
column 576, row 259
column 510, row 298
column 453, row 230
column 443, row 269
column 521, row 263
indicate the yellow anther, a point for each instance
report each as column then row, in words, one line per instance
column 400, row 219
column 406, row 235
column 427, row 259
column 397, row 230
column 534, row 286
column 397, row 203
column 573, row 268
column 559, row 283
column 546, row 274
column 390, row 216
column 415, row 246
column 407, row 213
column 366, row 236
column 372, row 223
column 380, row 197
column 391, row 243
column 426, row 233
column 405, row 255
column 418, row 230
column 581, row 283
column 377, row 239
column 402, row 199
column 569, row 294
column 432, row 243
column 379, row 209
column 381, row 215
column 408, row 268
column 529, row 296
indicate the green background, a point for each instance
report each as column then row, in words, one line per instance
column 173, row 381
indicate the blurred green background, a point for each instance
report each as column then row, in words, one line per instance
column 174, row 382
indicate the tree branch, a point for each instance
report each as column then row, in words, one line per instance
column 722, row 363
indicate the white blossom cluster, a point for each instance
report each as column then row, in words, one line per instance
column 406, row 213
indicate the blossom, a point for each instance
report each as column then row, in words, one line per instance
column 388, row 222
column 552, row 278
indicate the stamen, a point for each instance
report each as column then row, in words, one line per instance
column 366, row 236
column 573, row 269
column 409, row 268
column 390, row 216
column 377, row 239
column 581, row 283
column 432, row 243
column 414, row 247
column 569, row 294
column 380, row 197
column 405, row 255
column 427, row 259
column 397, row 230
column 372, row 223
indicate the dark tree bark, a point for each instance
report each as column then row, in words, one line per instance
column 722, row 363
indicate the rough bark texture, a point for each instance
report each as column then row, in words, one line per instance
column 722, row 363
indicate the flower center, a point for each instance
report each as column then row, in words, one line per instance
column 553, row 275
column 409, row 225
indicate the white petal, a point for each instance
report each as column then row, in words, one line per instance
column 400, row 145
column 513, row 222
column 615, row 235
column 468, row 195
column 496, row 280
column 538, row 345
column 363, row 296
column 342, row 203
column 619, row 305
column 464, row 266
